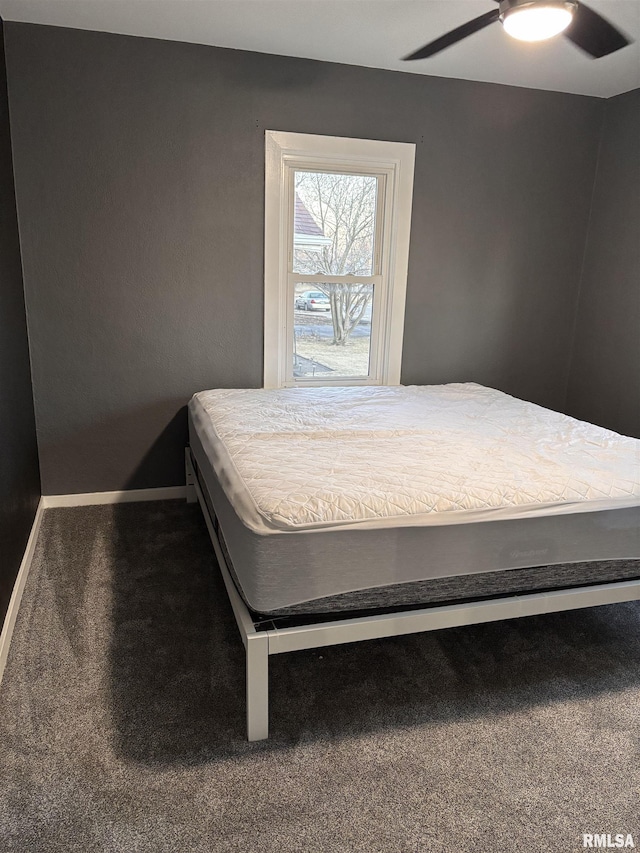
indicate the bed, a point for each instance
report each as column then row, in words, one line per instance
column 346, row 513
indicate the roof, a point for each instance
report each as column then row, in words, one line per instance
column 303, row 222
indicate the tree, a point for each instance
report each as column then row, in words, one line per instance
column 344, row 208
column 348, row 304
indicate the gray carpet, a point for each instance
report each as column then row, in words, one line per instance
column 121, row 717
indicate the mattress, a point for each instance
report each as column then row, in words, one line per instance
column 323, row 492
column 302, row 459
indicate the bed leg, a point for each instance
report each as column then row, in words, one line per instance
column 189, row 477
column 257, row 687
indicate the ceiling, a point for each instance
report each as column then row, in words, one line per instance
column 371, row 33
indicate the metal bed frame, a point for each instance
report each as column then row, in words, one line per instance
column 260, row 644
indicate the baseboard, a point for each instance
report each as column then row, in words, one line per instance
column 48, row 501
column 128, row 496
column 18, row 589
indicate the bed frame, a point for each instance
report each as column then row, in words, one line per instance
column 260, row 642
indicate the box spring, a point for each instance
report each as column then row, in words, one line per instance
column 393, row 596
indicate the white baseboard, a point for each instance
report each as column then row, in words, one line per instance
column 18, row 589
column 128, row 496
column 47, row 501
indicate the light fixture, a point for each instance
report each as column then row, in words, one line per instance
column 535, row 20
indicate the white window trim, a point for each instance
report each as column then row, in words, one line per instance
column 396, row 160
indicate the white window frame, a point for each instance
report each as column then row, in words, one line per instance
column 393, row 163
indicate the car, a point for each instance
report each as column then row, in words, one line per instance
column 313, row 300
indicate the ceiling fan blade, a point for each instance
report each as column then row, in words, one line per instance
column 593, row 34
column 458, row 34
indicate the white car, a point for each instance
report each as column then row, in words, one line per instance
column 313, row 300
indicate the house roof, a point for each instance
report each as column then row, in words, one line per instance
column 303, row 221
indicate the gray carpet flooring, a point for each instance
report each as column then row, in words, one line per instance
column 122, row 714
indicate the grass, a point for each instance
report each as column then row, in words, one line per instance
column 352, row 359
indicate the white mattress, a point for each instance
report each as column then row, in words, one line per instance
column 302, row 459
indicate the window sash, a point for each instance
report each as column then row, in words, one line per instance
column 376, row 338
column 382, row 177
column 380, row 264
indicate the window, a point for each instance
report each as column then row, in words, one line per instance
column 337, row 220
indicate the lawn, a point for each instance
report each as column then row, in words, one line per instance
column 318, row 356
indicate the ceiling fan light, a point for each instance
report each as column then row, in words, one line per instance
column 537, row 22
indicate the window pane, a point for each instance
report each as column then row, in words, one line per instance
column 332, row 330
column 334, row 223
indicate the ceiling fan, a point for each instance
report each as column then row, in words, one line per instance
column 535, row 20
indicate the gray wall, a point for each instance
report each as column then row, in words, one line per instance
column 140, row 170
column 604, row 384
column 19, row 477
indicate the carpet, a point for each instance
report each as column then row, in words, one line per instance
column 122, row 717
